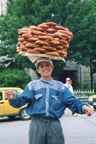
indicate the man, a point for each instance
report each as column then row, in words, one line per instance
column 47, row 99
column 68, row 84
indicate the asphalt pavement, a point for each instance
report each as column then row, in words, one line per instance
column 77, row 130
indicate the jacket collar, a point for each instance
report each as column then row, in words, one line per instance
column 49, row 82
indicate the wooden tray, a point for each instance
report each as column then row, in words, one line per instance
column 33, row 57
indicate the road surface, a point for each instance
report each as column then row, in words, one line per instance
column 77, row 130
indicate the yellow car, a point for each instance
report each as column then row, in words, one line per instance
column 8, row 110
column 92, row 101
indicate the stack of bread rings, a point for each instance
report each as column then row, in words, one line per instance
column 46, row 38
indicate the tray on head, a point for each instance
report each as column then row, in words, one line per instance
column 33, row 57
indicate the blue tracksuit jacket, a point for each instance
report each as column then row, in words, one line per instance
column 48, row 99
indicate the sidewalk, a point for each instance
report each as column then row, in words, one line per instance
column 68, row 112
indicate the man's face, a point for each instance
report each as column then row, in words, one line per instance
column 69, row 82
column 45, row 69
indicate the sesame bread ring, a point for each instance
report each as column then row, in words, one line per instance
column 22, row 48
column 51, row 30
column 40, row 42
column 54, row 42
column 32, row 38
column 25, row 29
column 17, row 47
column 64, row 49
column 58, row 46
column 22, row 29
column 63, row 41
column 30, row 44
column 55, row 35
column 36, row 32
column 63, row 55
column 32, row 35
column 22, row 45
column 40, row 29
column 46, row 37
column 32, row 51
column 25, row 42
column 60, row 28
column 39, row 49
column 51, row 24
column 33, row 27
column 49, row 48
column 18, row 50
column 21, row 39
column 64, row 35
column 26, row 35
column 66, row 32
column 20, row 36
column 57, row 39
column 19, row 43
column 61, row 52
column 52, row 53
column 21, row 32
column 66, row 45
column 43, row 25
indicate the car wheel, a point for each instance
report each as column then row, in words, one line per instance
column 23, row 115
column 11, row 117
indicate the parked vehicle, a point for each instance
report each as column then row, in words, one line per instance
column 92, row 101
column 8, row 110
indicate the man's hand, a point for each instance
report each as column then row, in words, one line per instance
column 88, row 111
column 9, row 95
column 68, row 86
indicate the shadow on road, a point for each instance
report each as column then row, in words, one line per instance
column 6, row 119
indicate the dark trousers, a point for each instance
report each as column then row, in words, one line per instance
column 45, row 131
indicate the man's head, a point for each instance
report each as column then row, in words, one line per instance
column 68, row 80
column 43, row 59
column 44, row 67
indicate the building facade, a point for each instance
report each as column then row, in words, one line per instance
column 79, row 74
column 3, row 7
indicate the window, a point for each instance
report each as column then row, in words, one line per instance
column 0, row 95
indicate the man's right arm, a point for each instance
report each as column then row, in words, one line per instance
column 19, row 100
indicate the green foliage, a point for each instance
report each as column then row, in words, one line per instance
column 78, row 16
column 86, row 86
column 83, row 26
column 14, row 78
column 58, row 67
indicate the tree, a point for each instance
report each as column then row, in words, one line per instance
column 83, row 25
column 14, row 78
column 78, row 16
column 22, row 14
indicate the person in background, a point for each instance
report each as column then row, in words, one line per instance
column 68, row 84
column 47, row 100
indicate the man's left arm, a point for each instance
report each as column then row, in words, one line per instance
column 75, row 104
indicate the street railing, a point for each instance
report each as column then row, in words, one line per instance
column 83, row 94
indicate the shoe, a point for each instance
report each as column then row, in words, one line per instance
column 75, row 115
